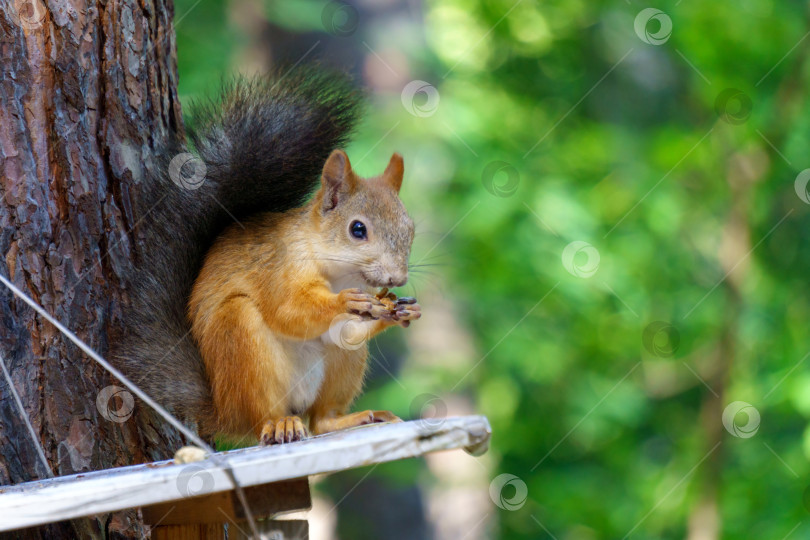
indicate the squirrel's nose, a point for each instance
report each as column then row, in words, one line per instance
column 397, row 280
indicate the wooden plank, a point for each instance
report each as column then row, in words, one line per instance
column 69, row 497
column 223, row 507
column 189, row 532
column 270, row 529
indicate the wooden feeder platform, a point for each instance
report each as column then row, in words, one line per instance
column 194, row 500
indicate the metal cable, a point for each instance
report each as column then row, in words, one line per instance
column 34, row 436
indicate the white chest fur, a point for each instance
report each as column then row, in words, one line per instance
column 309, row 364
column 308, row 372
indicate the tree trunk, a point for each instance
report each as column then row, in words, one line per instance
column 88, row 90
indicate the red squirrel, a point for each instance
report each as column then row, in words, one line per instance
column 266, row 307
column 251, row 298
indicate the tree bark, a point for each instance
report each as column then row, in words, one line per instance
column 88, row 90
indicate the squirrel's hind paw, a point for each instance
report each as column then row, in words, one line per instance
column 285, row 429
column 362, row 418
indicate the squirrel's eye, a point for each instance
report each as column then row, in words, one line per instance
column 358, row 230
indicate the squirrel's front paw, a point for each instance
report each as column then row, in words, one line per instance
column 406, row 310
column 362, row 303
column 285, row 429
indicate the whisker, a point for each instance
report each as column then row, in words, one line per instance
column 428, row 275
column 338, row 259
column 432, row 265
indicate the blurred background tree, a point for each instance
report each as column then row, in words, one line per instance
column 612, row 255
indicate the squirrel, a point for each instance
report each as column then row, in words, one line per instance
column 243, row 329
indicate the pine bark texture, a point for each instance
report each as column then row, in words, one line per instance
column 88, row 90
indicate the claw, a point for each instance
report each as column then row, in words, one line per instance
column 285, row 430
column 364, row 304
column 377, row 417
column 400, row 310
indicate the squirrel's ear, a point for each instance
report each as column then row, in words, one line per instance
column 393, row 173
column 337, row 179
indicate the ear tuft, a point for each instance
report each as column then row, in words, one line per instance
column 394, row 172
column 336, row 179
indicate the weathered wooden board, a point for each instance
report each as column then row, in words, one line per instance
column 223, row 507
column 270, row 529
column 68, row 497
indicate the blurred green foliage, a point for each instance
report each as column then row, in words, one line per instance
column 685, row 191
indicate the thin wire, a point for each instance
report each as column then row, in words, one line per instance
column 141, row 394
column 24, row 415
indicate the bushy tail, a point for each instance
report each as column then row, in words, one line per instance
column 259, row 146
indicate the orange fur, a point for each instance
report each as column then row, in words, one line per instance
column 269, row 291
